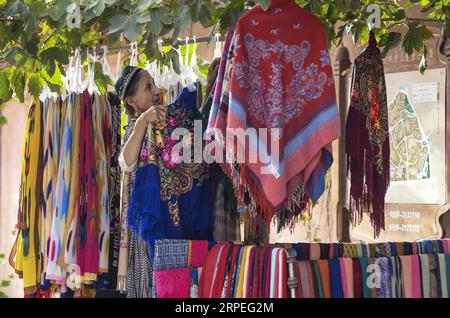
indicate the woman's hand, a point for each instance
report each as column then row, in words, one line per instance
column 154, row 114
column 132, row 148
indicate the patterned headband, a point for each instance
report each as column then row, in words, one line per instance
column 125, row 80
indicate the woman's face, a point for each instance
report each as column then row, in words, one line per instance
column 147, row 94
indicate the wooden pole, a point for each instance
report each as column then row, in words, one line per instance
column 342, row 67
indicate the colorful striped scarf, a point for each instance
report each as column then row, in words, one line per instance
column 294, row 94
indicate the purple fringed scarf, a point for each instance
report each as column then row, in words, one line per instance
column 367, row 137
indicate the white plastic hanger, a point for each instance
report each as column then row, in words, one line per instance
column 67, row 79
column 133, row 58
column 188, row 72
column 91, row 85
column 105, row 64
column 218, row 49
column 194, row 66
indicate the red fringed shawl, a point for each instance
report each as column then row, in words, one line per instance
column 282, row 78
column 367, row 137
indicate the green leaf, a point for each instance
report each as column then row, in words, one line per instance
column 5, row 91
column 132, row 30
column 388, row 41
column 3, row 295
column 18, row 82
column 59, row 9
column 342, row 5
column 118, row 23
column 207, row 15
column 55, row 54
column 145, row 4
column 143, row 19
column 265, row 4
column 3, row 120
column 412, row 39
column 15, row 56
column 91, row 38
column 99, row 8
column 2, row 255
column 35, row 84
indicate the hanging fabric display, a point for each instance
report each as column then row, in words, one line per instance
column 367, row 137
column 281, row 80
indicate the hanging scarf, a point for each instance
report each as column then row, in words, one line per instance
column 407, row 278
column 70, row 241
column 325, row 277
column 56, row 265
column 111, row 129
column 101, row 179
column 125, row 190
column 50, row 173
column 317, row 279
column 304, row 279
column 357, row 278
column 140, row 269
column 367, row 138
column 30, row 201
column 385, row 289
column 243, row 272
column 443, row 276
column 396, row 281
column 336, row 287
column 88, row 217
column 220, row 93
column 447, row 266
column 282, row 80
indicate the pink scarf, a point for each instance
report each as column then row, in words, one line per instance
column 87, row 226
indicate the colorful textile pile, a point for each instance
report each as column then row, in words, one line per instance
column 243, row 271
column 317, row 251
column 413, row 276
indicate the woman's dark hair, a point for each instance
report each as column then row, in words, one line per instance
column 131, row 91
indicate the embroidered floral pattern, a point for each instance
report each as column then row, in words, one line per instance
column 367, row 93
column 176, row 177
column 277, row 108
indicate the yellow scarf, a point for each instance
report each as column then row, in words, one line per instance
column 28, row 248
